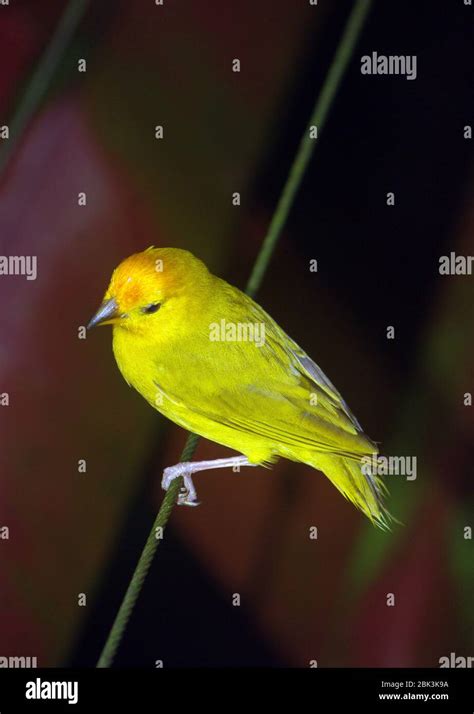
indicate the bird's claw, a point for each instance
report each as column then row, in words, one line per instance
column 186, row 499
column 187, row 495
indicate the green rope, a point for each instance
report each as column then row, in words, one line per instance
column 42, row 76
column 323, row 104
column 146, row 558
column 321, row 109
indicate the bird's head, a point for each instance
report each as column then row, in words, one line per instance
column 146, row 283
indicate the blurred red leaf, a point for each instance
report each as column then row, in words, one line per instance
column 420, row 622
column 65, row 393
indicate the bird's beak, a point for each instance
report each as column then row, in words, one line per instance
column 106, row 314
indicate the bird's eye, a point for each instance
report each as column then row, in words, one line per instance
column 149, row 309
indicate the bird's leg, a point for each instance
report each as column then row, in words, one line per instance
column 188, row 495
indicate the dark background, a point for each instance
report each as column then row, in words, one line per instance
column 377, row 266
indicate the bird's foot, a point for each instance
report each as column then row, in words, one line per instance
column 187, row 495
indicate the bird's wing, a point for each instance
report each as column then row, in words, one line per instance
column 275, row 391
column 310, row 369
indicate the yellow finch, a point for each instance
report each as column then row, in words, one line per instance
column 209, row 358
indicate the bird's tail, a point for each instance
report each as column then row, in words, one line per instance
column 356, row 481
